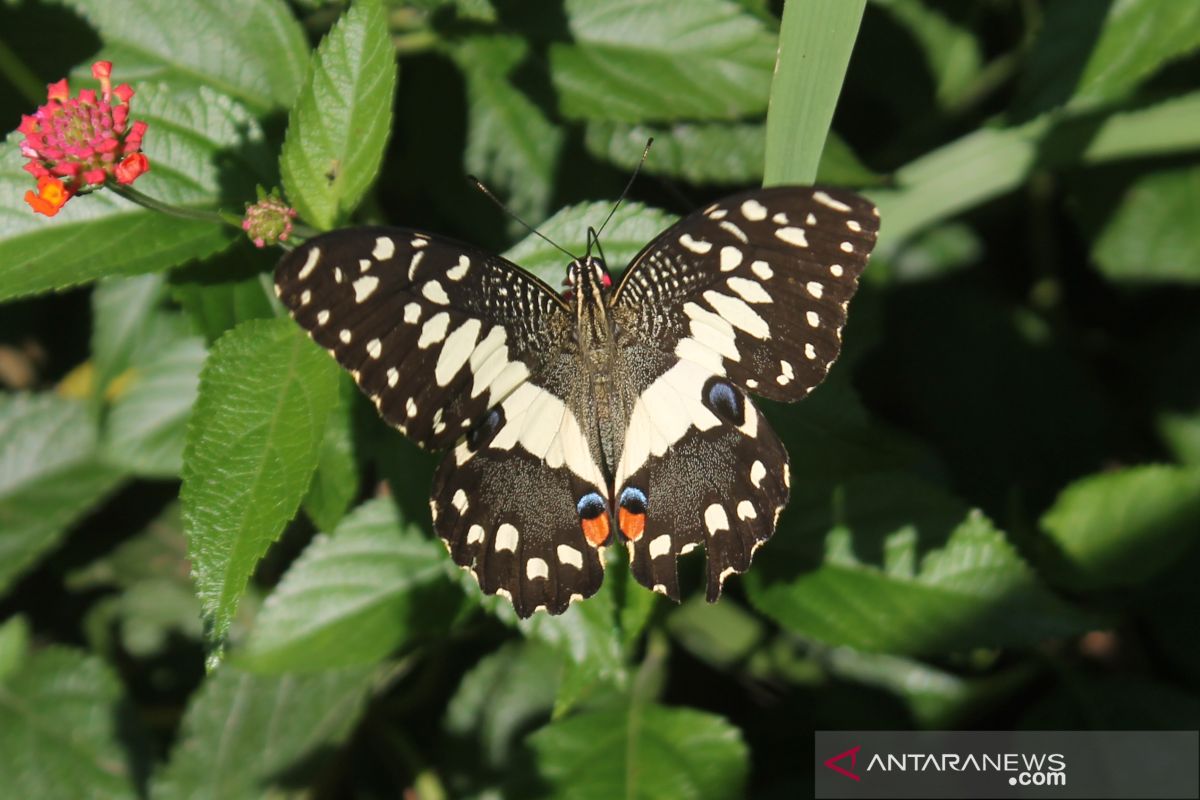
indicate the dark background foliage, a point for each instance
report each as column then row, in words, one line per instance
column 996, row 493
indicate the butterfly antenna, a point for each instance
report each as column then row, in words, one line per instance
column 488, row 192
column 628, row 186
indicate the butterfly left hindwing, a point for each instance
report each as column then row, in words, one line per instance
column 458, row 347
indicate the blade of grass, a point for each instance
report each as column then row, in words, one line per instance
column 815, row 42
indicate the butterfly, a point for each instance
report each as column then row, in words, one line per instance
column 612, row 412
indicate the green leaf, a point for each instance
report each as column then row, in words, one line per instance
column 145, row 428
column 708, row 59
column 14, row 645
column 698, row 152
column 226, row 289
column 335, row 483
column 129, row 325
column 1181, row 433
column 498, row 700
column 254, row 52
column 627, row 233
column 339, row 126
column 249, row 736
column 1151, row 236
column 156, row 597
column 1089, row 53
column 649, row 751
column 203, row 147
column 815, row 42
column 1122, row 528
column 59, row 729
column 511, row 144
column 952, row 52
column 253, row 440
column 49, row 476
column 354, row 597
column 905, row 570
column 720, row 634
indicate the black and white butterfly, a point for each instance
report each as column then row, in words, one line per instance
column 608, row 413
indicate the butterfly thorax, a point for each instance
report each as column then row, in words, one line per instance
column 590, row 287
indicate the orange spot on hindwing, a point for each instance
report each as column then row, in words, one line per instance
column 633, row 525
column 593, row 517
column 595, row 530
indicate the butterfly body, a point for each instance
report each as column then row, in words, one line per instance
column 611, row 414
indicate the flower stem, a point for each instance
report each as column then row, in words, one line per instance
column 146, row 201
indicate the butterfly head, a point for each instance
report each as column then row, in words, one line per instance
column 587, row 279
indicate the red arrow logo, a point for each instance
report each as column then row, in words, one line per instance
column 853, row 754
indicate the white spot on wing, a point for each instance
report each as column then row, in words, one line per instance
column 411, row 407
column 813, row 319
column 757, row 473
column 793, row 236
column 815, row 289
column 412, row 265
column 434, row 330
column 506, row 538
column 434, row 292
column 385, row 248
column 754, row 210
column 412, row 313
column 750, row 291
column 836, row 270
column 827, row 201
column 322, row 317
column 660, row 546
column 570, row 556
column 738, row 314
column 853, row 225
column 310, row 263
column 731, row 257
column 715, row 519
column 457, row 273
column 374, row 348
column 345, row 336
column 745, row 510
column 536, row 568
column 780, row 219
column 460, row 501
column 810, row 352
column 698, row 246
column 762, row 269
column 393, row 376
column 737, row 232
column 364, row 287
column 786, row 373
column 846, row 247
column 475, row 534
column 456, row 350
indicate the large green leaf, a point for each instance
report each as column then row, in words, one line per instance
column 511, row 144
column 631, row 228
column 59, row 729
column 1152, row 235
column 905, row 570
column 254, row 52
column 630, row 61
column 815, row 42
column 248, row 736
column 129, row 325
column 649, row 751
column 252, row 445
column 203, row 148
column 49, row 475
column 1089, row 53
column 339, row 126
column 1121, row 528
column 354, row 597
column 336, row 481
column 145, row 428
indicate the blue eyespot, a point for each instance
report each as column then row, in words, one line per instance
column 633, row 499
column 724, row 401
column 590, row 506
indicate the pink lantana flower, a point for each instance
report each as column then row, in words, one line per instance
column 82, row 142
column 269, row 221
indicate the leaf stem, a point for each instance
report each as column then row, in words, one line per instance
column 146, row 201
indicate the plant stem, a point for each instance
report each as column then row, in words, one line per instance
column 146, row 201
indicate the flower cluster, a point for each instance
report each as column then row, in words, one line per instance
column 75, row 145
column 269, row 221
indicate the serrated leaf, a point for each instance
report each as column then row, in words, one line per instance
column 146, row 425
column 708, row 60
column 265, row 396
column 354, row 597
column 815, row 42
column 49, row 476
column 203, row 147
column 226, row 289
column 651, row 752
column 59, row 729
column 254, row 52
column 1121, row 528
column 499, row 698
column 631, row 229
column 511, row 144
column 129, row 325
column 335, row 483
column 249, row 736
column 1151, row 235
column 905, row 570
column 1089, row 53
column 339, row 126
